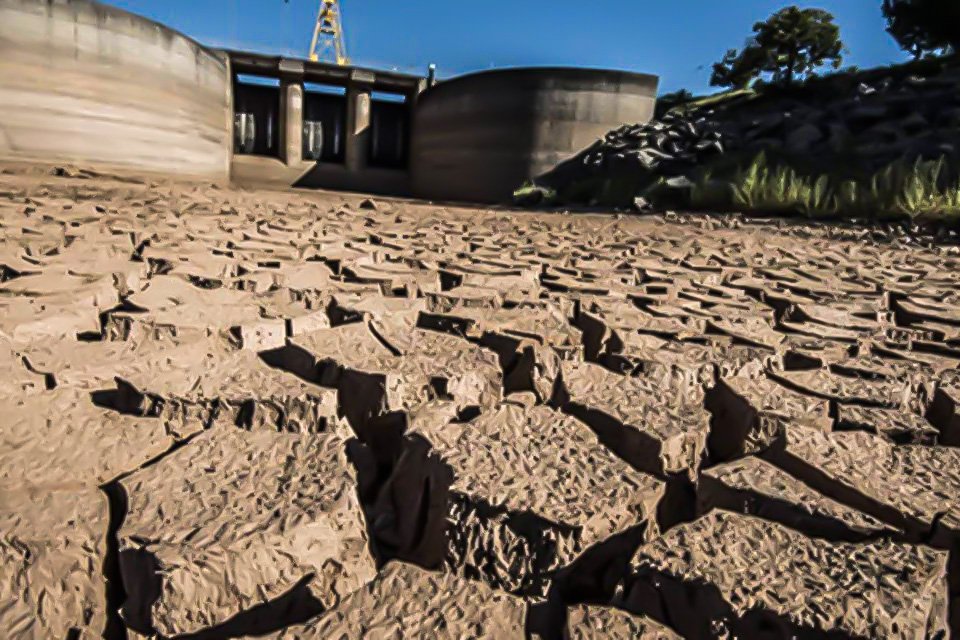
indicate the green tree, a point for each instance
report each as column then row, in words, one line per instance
column 738, row 69
column 790, row 45
column 924, row 27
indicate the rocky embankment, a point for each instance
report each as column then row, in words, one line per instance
column 849, row 126
column 252, row 414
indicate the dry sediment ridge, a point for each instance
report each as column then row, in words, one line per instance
column 232, row 414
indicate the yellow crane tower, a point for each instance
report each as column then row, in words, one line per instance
column 328, row 43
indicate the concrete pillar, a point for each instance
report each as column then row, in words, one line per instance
column 230, row 91
column 291, row 121
column 414, row 96
column 357, row 148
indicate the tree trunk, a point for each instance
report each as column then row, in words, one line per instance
column 791, row 63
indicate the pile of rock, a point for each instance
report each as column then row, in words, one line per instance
column 674, row 139
column 880, row 123
column 862, row 126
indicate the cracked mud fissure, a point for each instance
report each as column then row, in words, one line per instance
column 301, row 415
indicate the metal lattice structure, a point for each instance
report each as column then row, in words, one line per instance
column 328, row 43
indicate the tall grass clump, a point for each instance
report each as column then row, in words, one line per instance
column 925, row 191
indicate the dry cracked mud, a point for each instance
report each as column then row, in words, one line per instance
column 232, row 414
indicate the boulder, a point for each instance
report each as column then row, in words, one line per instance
column 803, row 137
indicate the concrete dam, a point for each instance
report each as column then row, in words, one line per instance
column 89, row 84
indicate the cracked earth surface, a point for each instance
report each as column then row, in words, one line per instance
column 232, row 414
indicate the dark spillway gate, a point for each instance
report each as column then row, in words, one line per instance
column 319, row 125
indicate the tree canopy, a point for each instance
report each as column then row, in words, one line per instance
column 738, row 69
column 924, row 27
column 790, row 45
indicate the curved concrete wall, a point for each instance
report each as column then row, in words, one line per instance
column 86, row 83
column 480, row 136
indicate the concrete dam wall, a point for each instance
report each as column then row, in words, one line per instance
column 480, row 136
column 88, row 84
column 85, row 83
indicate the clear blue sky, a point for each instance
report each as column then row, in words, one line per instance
column 676, row 39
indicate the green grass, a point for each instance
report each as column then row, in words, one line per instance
column 531, row 194
column 923, row 191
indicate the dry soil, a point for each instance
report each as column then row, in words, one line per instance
column 230, row 413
